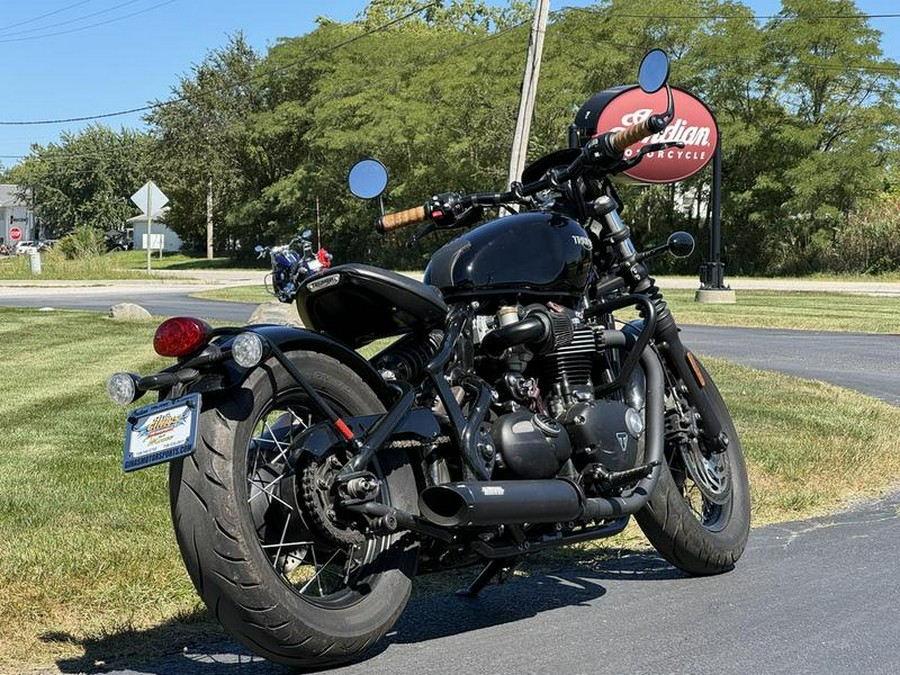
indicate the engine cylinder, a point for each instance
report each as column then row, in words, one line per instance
column 573, row 361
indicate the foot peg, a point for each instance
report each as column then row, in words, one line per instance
column 608, row 483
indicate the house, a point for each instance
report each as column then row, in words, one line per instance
column 16, row 219
column 161, row 236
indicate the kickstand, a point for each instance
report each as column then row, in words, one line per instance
column 494, row 568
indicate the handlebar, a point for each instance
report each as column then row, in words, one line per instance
column 621, row 140
column 394, row 221
column 603, row 151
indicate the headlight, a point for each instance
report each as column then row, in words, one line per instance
column 247, row 350
column 122, row 388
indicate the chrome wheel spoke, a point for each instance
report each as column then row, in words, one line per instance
column 308, row 558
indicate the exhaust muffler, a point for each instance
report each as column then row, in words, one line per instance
column 504, row 502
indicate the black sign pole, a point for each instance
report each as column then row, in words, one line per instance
column 712, row 273
column 715, row 236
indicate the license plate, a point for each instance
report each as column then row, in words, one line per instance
column 161, row 432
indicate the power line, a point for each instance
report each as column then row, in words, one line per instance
column 67, row 21
column 91, row 25
column 179, row 99
column 755, row 17
column 44, row 16
column 336, row 95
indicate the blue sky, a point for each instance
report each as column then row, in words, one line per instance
column 63, row 66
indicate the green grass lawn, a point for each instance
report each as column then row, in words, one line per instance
column 89, row 564
column 177, row 261
column 255, row 294
column 780, row 309
column 110, row 266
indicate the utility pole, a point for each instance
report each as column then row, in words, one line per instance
column 529, row 90
column 209, row 220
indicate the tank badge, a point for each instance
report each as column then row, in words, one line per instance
column 622, row 437
column 584, row 242
column 324, row 282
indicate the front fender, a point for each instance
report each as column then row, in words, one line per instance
column 288, row 338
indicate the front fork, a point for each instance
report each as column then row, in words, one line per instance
column 678, row 358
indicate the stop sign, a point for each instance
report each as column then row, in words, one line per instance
column 15, row 233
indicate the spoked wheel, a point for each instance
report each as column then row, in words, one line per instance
column 267, row 551
column 698, row 517
column 320, row 558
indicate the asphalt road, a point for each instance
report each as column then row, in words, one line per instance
column 819, row 596
column 161, row 300
column 866, row 362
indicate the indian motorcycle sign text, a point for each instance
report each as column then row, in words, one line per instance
column 693, row 125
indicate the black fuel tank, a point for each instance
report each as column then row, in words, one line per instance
column 530, row 254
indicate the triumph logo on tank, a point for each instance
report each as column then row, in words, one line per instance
column 694, row 125
column 584, row 242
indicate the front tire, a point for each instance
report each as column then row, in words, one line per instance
column 254, row 534
column 700, row 523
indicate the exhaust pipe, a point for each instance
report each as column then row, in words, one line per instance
column 553, row 500
column 504, row 502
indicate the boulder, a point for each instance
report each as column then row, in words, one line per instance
column 276, row 312
column 128, row 311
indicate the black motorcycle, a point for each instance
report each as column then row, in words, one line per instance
column 511, row 415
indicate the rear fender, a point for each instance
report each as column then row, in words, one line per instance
column 288, row 338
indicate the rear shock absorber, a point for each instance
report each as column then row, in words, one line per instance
column 406, row 359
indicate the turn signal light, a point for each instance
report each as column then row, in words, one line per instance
column 181, row 336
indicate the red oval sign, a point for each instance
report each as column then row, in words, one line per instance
column 693, row 125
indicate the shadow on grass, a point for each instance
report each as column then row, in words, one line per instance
column 194, row 644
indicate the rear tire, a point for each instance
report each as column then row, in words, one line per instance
column 697, row 535
column 222, row 532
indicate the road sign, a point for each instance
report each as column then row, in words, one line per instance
column 150, row 199
column 15, row 233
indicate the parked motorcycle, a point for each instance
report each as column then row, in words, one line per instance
column 513, row 414
column 291, row 264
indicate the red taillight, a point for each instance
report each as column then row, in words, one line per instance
column 181, row 336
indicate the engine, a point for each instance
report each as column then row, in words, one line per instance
column 547, row 362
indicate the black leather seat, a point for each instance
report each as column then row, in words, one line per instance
column 359, row 303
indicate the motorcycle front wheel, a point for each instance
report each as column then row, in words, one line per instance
column 698, row 517
column 262, row 544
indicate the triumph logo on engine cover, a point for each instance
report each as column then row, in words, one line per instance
column 324, row 282
column 584, row 242
column 622, row 437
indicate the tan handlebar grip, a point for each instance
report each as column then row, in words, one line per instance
column 394, row 221
column 630, row 135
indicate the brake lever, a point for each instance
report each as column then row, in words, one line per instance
column 424, row 232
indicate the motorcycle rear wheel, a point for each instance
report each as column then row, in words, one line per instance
column 698, row 517
column 258, row 540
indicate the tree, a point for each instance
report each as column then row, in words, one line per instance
column 85, row 179
column 202, row 141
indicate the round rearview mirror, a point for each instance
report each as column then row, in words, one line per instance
column 367, row 178
column 654, row 71
column 258, row 249
column 681, row 244
column 306, row 234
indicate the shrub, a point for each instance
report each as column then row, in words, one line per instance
column 867, row 243
column 84, row 242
